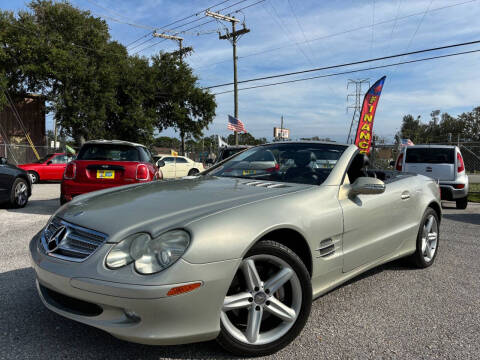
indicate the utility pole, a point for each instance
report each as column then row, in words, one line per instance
column 172, row 37
column 356, row 106
column 281, row 128
column 233, row 37
column 181, row 50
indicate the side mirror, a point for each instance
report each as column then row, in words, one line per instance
column 367, row 186
column 160, row 163
column 49, row 162
column 3, row 161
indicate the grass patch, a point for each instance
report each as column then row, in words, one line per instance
column 474, row 188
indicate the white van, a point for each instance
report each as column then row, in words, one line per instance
column 443, row 163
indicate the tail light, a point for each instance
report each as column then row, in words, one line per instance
column 142, row 172
column 399, row 162
column 459, row 186
column 461, row 165
column 70, row 171
column 273, row 169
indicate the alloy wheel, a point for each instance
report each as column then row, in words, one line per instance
column 21, row 194
column 429, row 238
column 263, row 301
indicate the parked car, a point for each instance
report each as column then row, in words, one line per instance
column 443, row 163
column 102, row 164
column 233, row 258
column 50, row 167
column 178, row 166
column 15, row 186
column 226, row 151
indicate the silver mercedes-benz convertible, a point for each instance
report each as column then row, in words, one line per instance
column 236, row 253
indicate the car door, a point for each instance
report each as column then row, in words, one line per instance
column 182, row 166
column 168, row 170
column 57, row 167
column 375, row 225
column 6, row 179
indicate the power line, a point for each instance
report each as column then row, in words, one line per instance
column 349, row 64
column 396, row 19
column 354, row 71
column 204, row 23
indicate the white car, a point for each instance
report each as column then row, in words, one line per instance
column 443, row 163
column 178, row 166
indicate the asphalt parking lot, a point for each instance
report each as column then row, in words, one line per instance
column 390, row 312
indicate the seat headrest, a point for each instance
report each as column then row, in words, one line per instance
column 304, row 157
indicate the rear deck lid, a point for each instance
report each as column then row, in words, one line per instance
column 435, row 162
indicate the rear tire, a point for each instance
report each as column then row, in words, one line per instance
column 34, row 178
column 268, row 302
column 462, row 203
column 62, row 200
column 19, row 193
column 193, row 172
column 427, row 240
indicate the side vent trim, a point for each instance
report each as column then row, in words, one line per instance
column 326, row 248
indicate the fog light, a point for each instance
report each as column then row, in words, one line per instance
column 132, row 315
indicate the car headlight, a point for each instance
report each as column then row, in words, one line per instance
column 149, row 255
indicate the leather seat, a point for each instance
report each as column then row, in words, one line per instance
column 357, row 167
column 302, row 172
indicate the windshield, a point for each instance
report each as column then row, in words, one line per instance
column 110, row 152
column 43, row 159
column 302, row 163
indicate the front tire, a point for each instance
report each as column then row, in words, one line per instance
column 268, row 302
column 19, row 193
column 427, row 240
column 462, row 203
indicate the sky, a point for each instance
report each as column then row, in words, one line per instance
column 295, row 35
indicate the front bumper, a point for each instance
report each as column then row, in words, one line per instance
column 132, row 310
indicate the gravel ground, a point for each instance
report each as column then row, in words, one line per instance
column 390, row 312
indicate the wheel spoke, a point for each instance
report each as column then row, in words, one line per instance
column 280, row 310
column 254, row 322
column 280, row 278
column 432, row 236
column 237, row 301
column 424, row 245
column 429, row 224
column 428, row 251
column 251, row 275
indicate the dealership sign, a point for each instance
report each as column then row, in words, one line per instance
column 281, row 133
column 365, row 124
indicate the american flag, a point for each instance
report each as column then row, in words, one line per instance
column 235, row 125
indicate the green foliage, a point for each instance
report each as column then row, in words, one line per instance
column 94, row 88
column 245, row 139
column 442, row 128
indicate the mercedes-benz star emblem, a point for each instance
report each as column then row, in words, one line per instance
column 54, row 240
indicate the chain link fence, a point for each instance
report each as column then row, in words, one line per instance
column 23, row 154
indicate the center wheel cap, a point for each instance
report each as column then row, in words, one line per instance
column 260, row 298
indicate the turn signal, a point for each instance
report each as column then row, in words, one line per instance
column 177, row 290
column 142, row 172
column 70, row 171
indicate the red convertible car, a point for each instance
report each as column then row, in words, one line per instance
column 50, row 167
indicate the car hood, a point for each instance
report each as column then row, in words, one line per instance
column 161, row 205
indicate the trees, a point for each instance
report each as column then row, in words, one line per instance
column 442, row 128
column 187, row 108
column 246, row 139
column 94, row 88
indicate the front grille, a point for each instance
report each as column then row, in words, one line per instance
column 70, row 242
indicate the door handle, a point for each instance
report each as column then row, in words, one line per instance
column 405, row 195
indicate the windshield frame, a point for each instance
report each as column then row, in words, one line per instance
column 341, row 147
